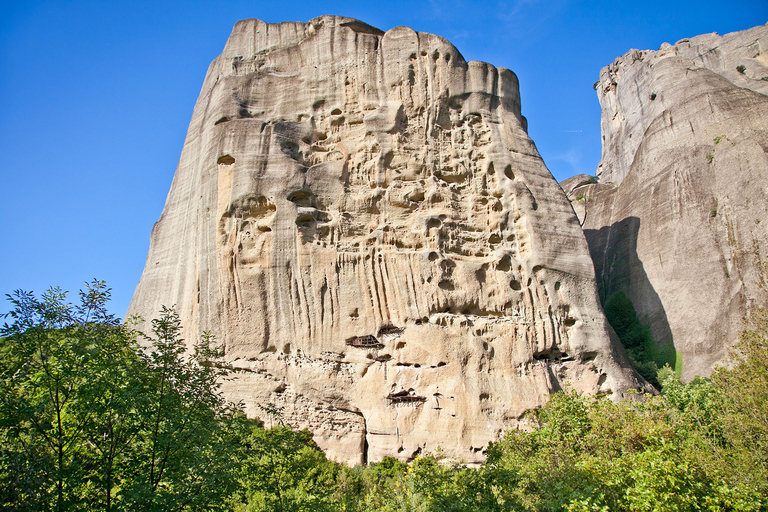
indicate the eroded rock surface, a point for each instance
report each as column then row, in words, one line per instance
column 362, row 221
column 679, row 220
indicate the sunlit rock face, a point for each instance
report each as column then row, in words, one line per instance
column 679, row 220
column 362, row 221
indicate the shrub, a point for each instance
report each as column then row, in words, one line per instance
column 636, row 337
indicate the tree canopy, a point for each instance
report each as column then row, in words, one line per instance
column 96, row 416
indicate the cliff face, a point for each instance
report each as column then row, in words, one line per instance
column 679, row 220
column 362, row 221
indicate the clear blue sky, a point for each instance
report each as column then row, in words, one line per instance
column 95, row 98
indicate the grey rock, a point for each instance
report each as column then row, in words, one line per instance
column 679, row 218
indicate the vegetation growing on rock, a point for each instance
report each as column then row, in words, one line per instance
column 90, row 420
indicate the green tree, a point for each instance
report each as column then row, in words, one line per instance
column 90, row 421
column 57, row 362
column 636, row 337
column 184, row 449
column 745, row 390
column 283, row 470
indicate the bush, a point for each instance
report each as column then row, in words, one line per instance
column 636, row 337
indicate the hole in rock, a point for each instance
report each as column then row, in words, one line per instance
column 433, row 256
column 301, row 198
column 515, row 285
column 336, row 112
column 225, row 160
column 504, row 264
column 305, row 221
column 508, row 172
column 445, row 284
column 557, row 285
column 221, row 120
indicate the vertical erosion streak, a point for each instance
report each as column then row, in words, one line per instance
column 410, row 290
column 283, row 293
column 370, row 271
column 326, row 318
column 393, row 317
column 305, row 296
column 611, row 223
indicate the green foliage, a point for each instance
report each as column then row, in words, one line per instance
column 600, row 455
column 745, row 391
column 741, row 69
column 719, row 139
column 646, row 356
column 89, row 421
column 282, row 469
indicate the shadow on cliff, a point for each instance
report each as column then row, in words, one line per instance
column 618, row 268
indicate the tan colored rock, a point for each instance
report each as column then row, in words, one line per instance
column 679, row 220
column 362, row 221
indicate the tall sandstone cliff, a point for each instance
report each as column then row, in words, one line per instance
column 362, row 221
column 679, row 218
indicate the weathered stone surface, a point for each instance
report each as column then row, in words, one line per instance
column 577, row 199
column 363, row 222
column 679, row 220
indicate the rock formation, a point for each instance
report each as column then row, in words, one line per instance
column 679, row 219
column 362, row 221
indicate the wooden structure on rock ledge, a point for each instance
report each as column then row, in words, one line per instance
column 405, row 398
column 367, row 341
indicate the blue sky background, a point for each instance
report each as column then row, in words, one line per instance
column 96, row 96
